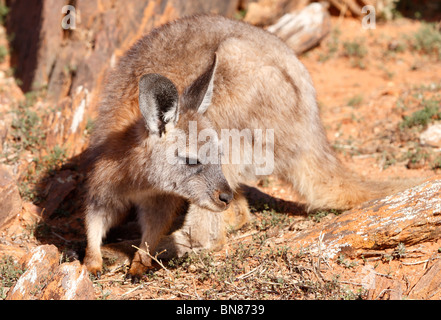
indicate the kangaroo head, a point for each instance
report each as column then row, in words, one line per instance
column 175, row 123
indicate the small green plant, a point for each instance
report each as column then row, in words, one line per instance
column 46, row 165
column 3, row 53
column 389, row 74
column 104, row 294
column 89, row 126
column 10, row 271
column 355, row 49
column 436, row 164
column 397, row 47
column 355, row 100
column 51, row 162
column 387, row 159
column 317, row 216
column 400, row 251
column 332, row 45
column 240, row 15
column 417, row 156
column 27, row 129
column 388, row 10
column 29, row 135
column 428, row 40
column 201, row 263
column 4, row 10
column 341, row 260
column 423, row 117
column 271, row 218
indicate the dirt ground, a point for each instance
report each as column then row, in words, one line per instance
column 367, row 81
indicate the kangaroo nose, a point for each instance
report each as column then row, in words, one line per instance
column 226, row 197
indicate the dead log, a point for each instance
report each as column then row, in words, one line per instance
column 410, row 217
column 303, row 29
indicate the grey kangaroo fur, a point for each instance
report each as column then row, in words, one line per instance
column 223, row 74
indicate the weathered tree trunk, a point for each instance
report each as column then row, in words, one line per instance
column 409, row 217
column 303, row 29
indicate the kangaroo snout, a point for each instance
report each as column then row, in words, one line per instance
column 226, row 197
column 223, row 197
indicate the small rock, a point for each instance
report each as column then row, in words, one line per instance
column 192, row 268
column 4, row 128
column 70, row 282
column 432, row 136
column 393, row 45
column 301, row 224
column 10, row 200
column 385, row 289
column 58, row 189
column 39, row 264
column 429, row 286
column 31, row 213
column 46, row 279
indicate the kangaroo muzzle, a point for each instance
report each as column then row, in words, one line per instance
column 223, row 197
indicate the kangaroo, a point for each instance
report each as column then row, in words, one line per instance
column 220, row 74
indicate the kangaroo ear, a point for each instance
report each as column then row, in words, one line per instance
column 198, row 95
column 158, row 102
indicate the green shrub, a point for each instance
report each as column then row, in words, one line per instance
column 428, row 40
column 424, row 116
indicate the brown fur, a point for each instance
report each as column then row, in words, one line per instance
column 258, row 83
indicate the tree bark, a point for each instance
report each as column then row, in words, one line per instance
column 409, row 217
column 303, row 29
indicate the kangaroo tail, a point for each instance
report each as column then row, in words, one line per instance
column 325, row 183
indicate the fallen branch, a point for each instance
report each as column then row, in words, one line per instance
column 155, row 258
column 303, row 29
column 409, row 217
